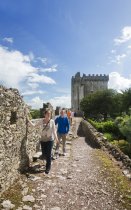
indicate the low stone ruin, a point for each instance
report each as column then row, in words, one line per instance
column 96, row 139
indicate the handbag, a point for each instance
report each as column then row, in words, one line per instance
column 46, row 138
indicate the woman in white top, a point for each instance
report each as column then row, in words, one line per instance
column 47, row 138
column 48, row 135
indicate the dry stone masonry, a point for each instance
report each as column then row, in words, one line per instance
column 97, row 140
column 17, row 141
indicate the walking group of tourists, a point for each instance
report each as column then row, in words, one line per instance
column 49, row 134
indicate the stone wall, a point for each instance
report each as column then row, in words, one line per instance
column 17, row 141
column 97, row 140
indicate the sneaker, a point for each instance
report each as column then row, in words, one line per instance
column 52, row 158
column 57, row 155
column 47, row 171
column 56, row 152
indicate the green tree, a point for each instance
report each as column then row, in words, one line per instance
column 106, row 102
column 126, row 100
column 35, row 113
column 118, row 100
column 124, row 126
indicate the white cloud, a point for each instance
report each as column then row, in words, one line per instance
column 118, row 82
column 36, row 102
column 63, row 101
column 32, row 92
column 8, row 39
column 33, row 85
column 31, row 56
column 126, row 35
column 15, row 68
column 129, row 47
column 34, row 77
column 113, row 51
column 50, row 69
column 43, row 60
column 119, row 58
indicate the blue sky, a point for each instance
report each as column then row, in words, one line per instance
column 43, row 43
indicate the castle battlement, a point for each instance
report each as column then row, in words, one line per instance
column 91, row 77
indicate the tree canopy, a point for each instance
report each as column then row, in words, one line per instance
column 106, row 102
column 35, row 113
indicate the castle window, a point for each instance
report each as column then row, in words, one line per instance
column 13, row 118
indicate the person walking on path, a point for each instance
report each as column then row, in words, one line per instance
column 72, row 116
column 69, row 116
column 48, row 135
column 62, row 131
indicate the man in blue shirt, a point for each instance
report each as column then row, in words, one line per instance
column 62, row 130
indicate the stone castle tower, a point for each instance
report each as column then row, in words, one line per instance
column 82, row 86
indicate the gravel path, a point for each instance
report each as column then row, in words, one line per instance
column 77, row 181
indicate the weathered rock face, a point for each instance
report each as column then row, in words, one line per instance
column 96, row 139
column 17, row 141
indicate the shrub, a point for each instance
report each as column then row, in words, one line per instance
column 118, row 120
column 97, row 125
column 109, row 126
column 109, row 136
column 124, row 125
column 105, row 127
column 123, row 145
column 121, row 128
column 35, row 113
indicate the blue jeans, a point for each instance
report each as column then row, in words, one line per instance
column 46, row 148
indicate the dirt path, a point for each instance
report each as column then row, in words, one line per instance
column 79, row 181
